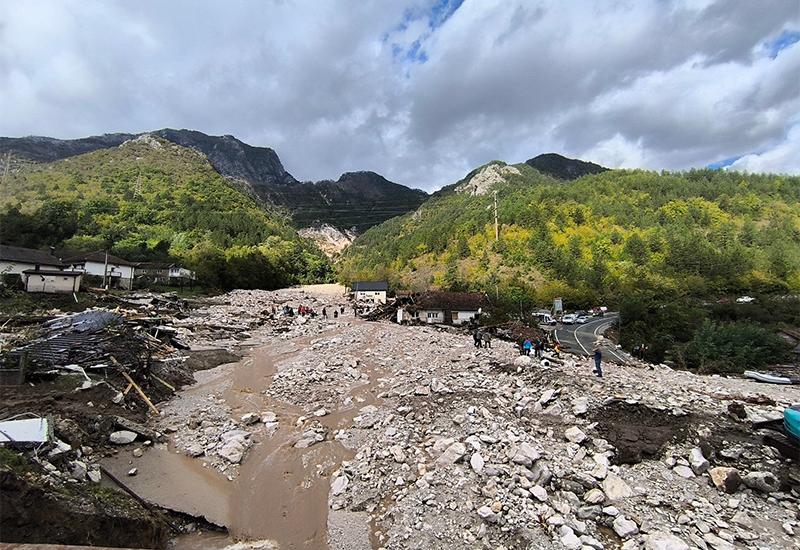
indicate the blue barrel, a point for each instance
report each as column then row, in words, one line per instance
column 791, row 421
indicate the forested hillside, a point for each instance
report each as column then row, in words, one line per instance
column 619, row 237
column 150, row 199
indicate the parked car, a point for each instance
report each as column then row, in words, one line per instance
column 569, row 319
column 581, row 319
column 544, row 318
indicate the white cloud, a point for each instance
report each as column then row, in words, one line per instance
column 337, row 85
column 783, row 158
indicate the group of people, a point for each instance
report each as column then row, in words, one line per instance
column 538, row 345
column 337, row 310
column 639, row 351
column 482, row 338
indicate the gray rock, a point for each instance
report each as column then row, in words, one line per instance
column 615, row 487
column 233, row 450
column 624, row 527
column 452, row 455
column 568, row 538
column 539, row 493
column 122, row 437
column 717, row 543
column 698, row 461
column 580, row 406
column 575, row 435
column 477, row 462
column 664, row 541
column 487, row 514
column 339, row 484
column 684, row 471
column 526, row 455
column 595, row 496
column 249, row 418
column 764, row 482
column 397, row 453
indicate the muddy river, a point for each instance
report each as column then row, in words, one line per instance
column 280, row 496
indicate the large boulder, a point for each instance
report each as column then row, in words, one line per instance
column 764, row 482
column 122, row 437
column 725, row 479
column 664, row 541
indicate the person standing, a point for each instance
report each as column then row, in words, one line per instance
column 324, row 312
column 476, row 337
column 598, row 358
column 526, row 346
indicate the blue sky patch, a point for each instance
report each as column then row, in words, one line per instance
column 783, row 41
column 723, row 163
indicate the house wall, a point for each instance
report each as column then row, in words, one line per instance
column 375, row 297
column 51, row 283
column 464, row 317
column 19, row 267
column 432, row 316
column 122, row 273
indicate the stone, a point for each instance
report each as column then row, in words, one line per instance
column 477, row 462
column 269, row 417
column 320, row 412
column 422, row 390
column 764, row 482
column 683, row 471
column 122, row 437
column 438, row 387
column 138, row 452
column 625, row 527
column 580, row 406
column 249, row 418
column 526, row 454
column 78, row 470
column 339, row 484
column 547, row 396
column 615, row 487
column 664, row 541
column 569, row 539
column 594, row 496
column 717, row 543
column 725, row 479
column 397, row 453
column 575, row 435
column 488, row 515
column 94, row 476
column 539, row 493
column 452, row 455
column 698, row 461
column 523, row 361
column 233, row 450
column 133, row 471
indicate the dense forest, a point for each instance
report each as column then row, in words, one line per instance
column 661, row 247
column 150, row 199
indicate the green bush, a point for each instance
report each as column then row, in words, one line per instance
column 731, row 347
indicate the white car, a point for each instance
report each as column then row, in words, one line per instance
column 581, row 319
column 569, row 319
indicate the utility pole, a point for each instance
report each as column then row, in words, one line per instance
column 6, row 166
column 496, row 224
column 105, row 271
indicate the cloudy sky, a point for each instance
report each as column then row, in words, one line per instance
column 420, row 91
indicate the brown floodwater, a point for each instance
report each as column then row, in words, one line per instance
column 281, row 493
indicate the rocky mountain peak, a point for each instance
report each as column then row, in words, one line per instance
column 563, row 168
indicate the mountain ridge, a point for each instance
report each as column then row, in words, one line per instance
column 259, row 172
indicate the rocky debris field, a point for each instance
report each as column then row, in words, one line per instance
column 482, row 448
column 444, row 445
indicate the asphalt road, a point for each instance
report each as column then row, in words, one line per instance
column 581, row 338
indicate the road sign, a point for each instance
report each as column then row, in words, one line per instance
column 558, row 305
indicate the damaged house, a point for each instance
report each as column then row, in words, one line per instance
column 449, row 308
column 39, row 270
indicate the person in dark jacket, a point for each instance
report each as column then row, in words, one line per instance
column 598, row 357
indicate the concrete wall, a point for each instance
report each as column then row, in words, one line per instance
column 51, row 283
column 374, row 297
